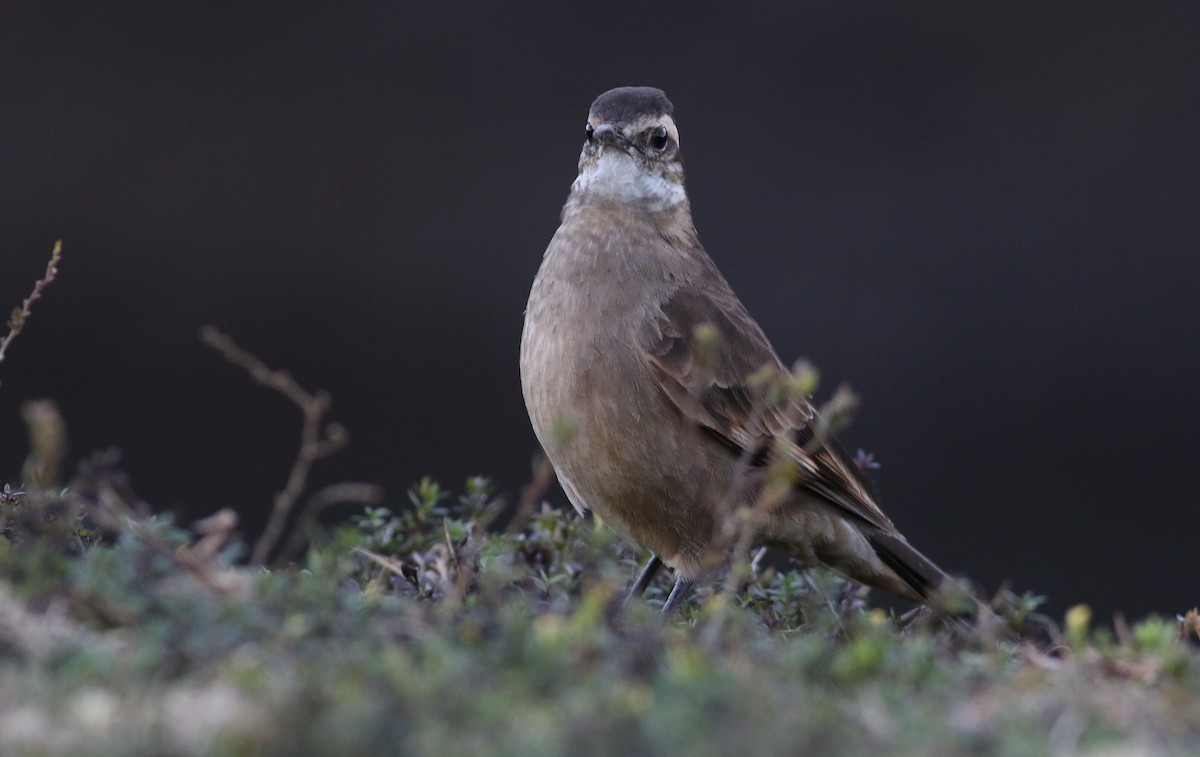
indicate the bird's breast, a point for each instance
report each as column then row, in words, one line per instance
column 612, row 434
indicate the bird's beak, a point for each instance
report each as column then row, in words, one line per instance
column 607, row 134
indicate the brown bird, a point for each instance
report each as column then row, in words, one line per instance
column 649, row 385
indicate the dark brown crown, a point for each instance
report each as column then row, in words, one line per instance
column 626, row 104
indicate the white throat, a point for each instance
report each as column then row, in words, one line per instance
column 615, row 175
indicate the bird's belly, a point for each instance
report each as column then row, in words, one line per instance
column 601, row 421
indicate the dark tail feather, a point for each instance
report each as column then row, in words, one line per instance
column 914, row 568
column 920, row 573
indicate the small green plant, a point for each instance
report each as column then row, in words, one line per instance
column 451, row 624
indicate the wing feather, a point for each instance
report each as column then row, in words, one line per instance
column 711, row 359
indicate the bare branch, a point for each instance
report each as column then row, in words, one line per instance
column 317, row 438
column 21, row 314
column 532, row 495
column 335, row 494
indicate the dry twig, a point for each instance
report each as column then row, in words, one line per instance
column 335, row 494
column 532, row 495
column 21, row 314
column 317, row 438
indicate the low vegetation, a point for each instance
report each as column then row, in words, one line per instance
column 451, row 624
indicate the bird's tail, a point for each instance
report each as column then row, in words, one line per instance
column 916, row 570
column 922, row 576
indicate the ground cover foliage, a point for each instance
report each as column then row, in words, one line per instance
column 450, row 623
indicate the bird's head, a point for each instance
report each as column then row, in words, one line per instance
column 631, row 151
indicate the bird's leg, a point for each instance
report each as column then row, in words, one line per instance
column 679, row 593
column 644, row 578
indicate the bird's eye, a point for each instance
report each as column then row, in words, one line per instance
column 659, row 138
column 588, row 130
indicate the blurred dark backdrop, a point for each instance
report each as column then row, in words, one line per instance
column 984, row 218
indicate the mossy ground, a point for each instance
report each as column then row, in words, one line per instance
column 426, row 631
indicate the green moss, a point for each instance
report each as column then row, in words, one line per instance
column 425, row 630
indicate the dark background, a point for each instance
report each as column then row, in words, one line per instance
column 983, row 218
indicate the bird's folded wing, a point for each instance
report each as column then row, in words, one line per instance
column 715, row 364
